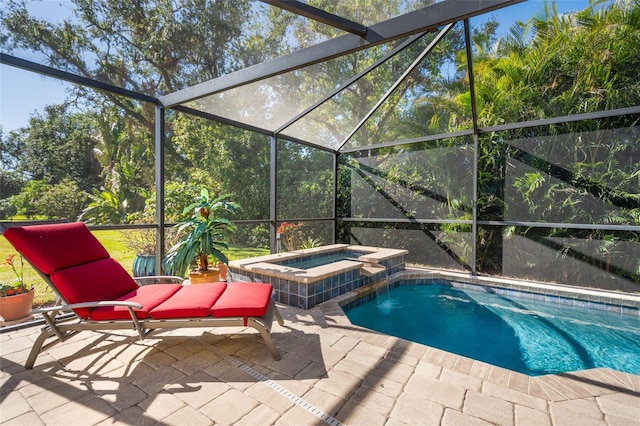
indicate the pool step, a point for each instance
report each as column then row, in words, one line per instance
column 369, row 270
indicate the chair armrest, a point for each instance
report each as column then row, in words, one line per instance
column 158, row 279
column 49, row 314
column 88, row 305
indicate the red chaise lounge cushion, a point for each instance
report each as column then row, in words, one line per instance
column 103, row 279
column 190, row 301
column 243, row 300
column 149, row 296
column 41, row 245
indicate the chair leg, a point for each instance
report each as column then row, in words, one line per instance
column 272, row 347
column 37, row 347
column 278, row 316
column 266, row 336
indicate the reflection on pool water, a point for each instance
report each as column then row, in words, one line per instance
column 518, row 331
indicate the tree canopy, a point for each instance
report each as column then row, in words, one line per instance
column 101, row 145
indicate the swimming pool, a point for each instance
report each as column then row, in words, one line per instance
column 514, row 330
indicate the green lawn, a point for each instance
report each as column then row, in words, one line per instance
column 113, row 242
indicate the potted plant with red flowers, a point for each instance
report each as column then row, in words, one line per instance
column 16, row 298
column 290, row 235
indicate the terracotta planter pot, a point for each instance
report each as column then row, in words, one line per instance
column 224, row 271
column 211, row 275
column 17, row 306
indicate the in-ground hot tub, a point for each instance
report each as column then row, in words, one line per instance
column 304, row 278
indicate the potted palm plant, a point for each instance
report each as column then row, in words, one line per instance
column 204, row 236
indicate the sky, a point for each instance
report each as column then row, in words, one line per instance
column 23, row 93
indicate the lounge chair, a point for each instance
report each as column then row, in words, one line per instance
column 103, row 296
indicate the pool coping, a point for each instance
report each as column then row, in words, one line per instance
column 549, row 290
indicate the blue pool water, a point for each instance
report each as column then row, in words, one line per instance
column 518, row 333
column 313, row 261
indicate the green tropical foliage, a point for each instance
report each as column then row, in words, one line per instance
column 577, row 172
column 93, row 156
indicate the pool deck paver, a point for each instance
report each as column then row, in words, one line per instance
column 328, row 367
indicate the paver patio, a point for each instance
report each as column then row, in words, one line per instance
column 331, row 372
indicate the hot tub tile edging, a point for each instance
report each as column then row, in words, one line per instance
column 307, row 288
